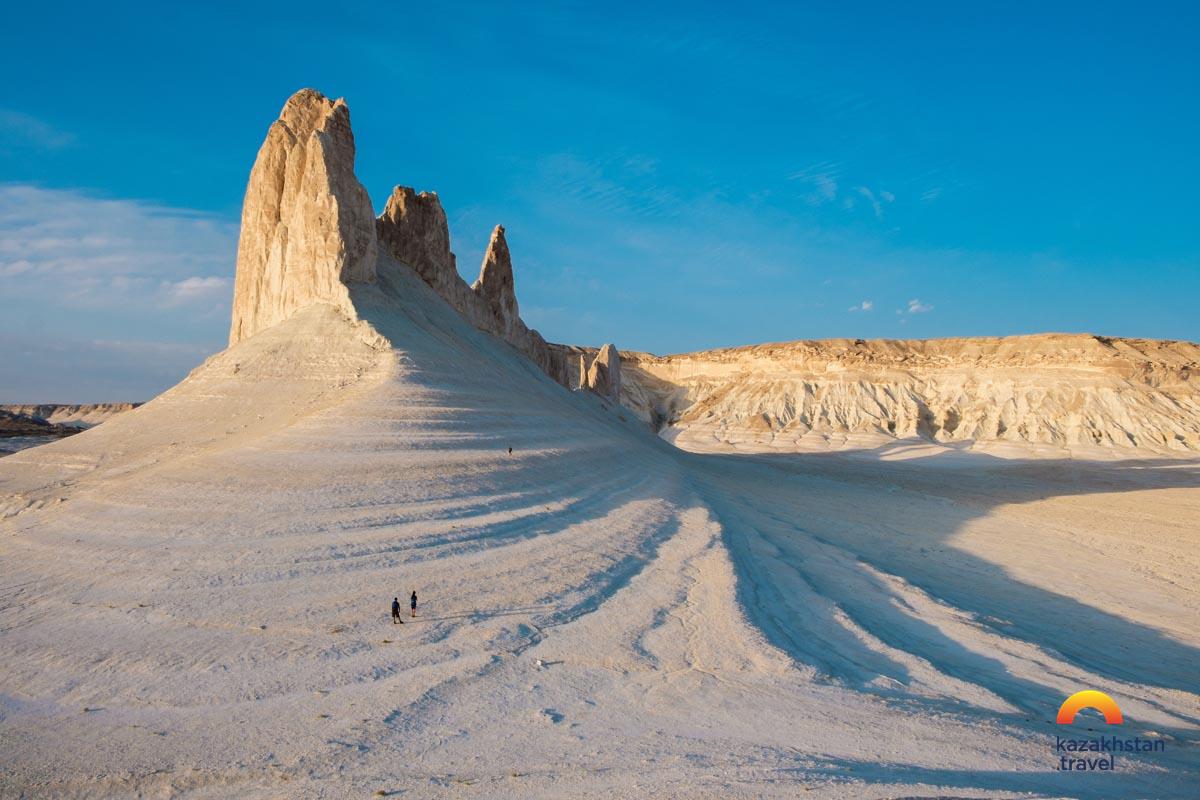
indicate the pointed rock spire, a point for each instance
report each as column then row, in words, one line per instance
column 495, row 284
column 604, row 376
column 307, row 223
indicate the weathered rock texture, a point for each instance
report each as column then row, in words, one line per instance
column 15, row 424
column 604, row 374
column 413, row 231
column 595, row 369
column 308, row 228
column 308, row 231
column 495, row 287
column 1052, row 388
column 78, row 415
column 569, row 364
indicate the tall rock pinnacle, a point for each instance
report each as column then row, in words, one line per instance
column 495, row 284
column 307, row 223
column 309, row 232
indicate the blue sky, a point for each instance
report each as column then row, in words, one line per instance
column 671, row 179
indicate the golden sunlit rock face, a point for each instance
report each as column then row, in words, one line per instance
column 1051, row 389
column 308, row 232
column 307, row 224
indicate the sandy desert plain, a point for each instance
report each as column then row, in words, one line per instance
column 839, row 569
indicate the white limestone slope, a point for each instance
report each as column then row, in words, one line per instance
column 193, row 595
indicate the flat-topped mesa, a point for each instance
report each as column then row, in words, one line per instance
column 307, row 223
column 1058, row 389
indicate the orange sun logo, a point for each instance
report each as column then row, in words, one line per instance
column 1090, row 699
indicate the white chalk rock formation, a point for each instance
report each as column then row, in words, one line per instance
column 495, row 287
column 308, row 228
column 414, row 231
column 604, row 375
column 212, row 564
column 1049, row 389
column 308, row 231
column 575, row 367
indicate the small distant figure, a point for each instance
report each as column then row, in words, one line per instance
column 510, row 451
column 396, row 611
column 412, row 602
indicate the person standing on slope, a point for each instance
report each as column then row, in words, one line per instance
column 412, row 602
column 396, row 611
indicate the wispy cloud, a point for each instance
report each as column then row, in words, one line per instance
column 877, row 200
column 823, row 187
column 107, row 299
column 198, row 290
column 75, row 250
column 25, row 130
column 915, row 306
column 618, row 184
column 865, row 305
column 820, row 180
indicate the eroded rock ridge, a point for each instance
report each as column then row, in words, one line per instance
column 308, row 231
column 1055, row 389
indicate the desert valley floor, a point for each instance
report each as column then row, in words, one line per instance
column 194, row 595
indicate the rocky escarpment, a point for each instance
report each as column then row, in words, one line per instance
column 80, row 415
column 1055, row 389
column 308, row 231
column 595, row 369
column 12, row 425
column 30, row 425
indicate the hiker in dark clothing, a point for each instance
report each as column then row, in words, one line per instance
column 413, row 602
column 396, row 611
column 510, row 451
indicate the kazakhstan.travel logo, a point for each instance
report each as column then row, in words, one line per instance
column 1075, row 754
